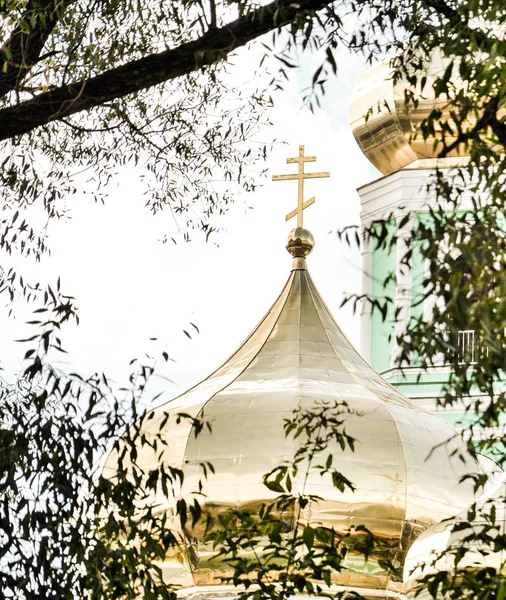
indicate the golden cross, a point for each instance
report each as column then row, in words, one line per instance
column 301, row 205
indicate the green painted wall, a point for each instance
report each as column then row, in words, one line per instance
column 414, row 382
column 417, row 277
column 384, row 260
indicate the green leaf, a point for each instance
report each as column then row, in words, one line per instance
column 308, row 536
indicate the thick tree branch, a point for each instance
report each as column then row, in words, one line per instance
column 499, row 128
column 22, row 50
column 456, row 22
column 151, row 70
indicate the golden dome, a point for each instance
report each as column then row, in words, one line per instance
column 386, row 132
column 437, row 548
column 406, row 475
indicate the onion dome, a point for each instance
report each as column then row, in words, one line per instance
column 436, row 550
column 387, row 132
column 406, row 466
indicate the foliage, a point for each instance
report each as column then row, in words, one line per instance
column 67, row 531
column 96, row 87
column 71, row 528
column 88, row 90
column 461, row 241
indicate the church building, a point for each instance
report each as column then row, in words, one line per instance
column 385, row 132
column 406, row 464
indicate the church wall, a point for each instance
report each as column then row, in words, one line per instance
column 391, row 197
column 383, row 323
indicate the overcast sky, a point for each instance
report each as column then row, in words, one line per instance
column 129, row 292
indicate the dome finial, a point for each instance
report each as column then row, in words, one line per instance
column 300, row 243
column 300, row 240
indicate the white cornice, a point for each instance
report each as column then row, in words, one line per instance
column 406, row 189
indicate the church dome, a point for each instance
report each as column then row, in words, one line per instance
column 437, row 549
column 406, row 467
column 389, row 134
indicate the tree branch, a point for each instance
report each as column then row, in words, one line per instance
column 212, row 7
column 151, row 70
column 488, row 119
column 457, row 23
column 22, row 50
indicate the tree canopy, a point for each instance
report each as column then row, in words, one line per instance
column 97, row 86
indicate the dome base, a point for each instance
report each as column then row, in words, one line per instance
column 219, row 592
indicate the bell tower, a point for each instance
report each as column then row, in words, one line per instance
column 392, row 205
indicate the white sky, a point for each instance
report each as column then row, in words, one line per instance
column 129, row 292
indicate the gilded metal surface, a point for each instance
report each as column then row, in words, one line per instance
column 405, row 466
column 386, row 132
column 300, row 242
column 434, row 550
column 300, row 176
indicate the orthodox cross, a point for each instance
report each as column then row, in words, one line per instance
column 300, row 176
